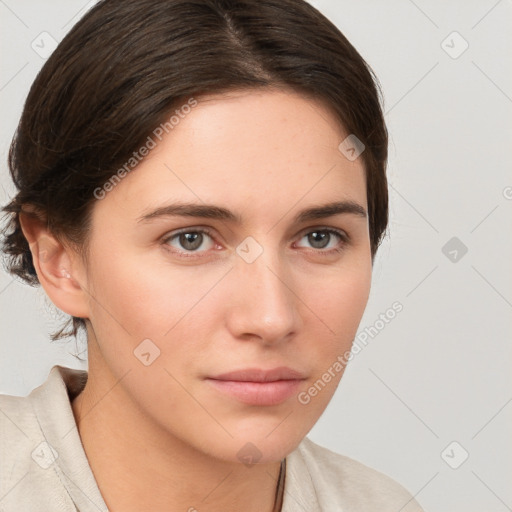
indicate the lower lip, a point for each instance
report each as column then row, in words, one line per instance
column 258, row 393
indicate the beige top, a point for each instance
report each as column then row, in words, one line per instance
column 43, row 465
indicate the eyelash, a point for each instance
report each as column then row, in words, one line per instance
column 345, row 239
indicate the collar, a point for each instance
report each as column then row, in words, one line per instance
column 52, row 407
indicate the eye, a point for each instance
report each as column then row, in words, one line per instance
column 190, row 241
column 326, row 238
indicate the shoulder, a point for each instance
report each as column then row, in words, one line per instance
column 18, row 423
column 30, row 479
column 340, row 481
column 20, row 448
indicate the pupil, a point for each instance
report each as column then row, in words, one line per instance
column 191, row 241
column 320, row 236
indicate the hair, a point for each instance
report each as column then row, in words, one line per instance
column 127, row 64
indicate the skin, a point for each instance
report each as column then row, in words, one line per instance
column 160, row 437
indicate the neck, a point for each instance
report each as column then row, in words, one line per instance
column 140, row 466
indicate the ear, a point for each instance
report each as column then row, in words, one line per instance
column 59, row 268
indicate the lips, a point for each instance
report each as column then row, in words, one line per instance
column 261, row 375
column 256, row 386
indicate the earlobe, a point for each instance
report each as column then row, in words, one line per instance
column 57, row 267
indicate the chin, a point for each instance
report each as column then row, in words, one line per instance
column 263, row 444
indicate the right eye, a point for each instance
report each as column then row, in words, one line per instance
column 189, row 241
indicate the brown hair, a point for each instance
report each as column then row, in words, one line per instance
column 127, row 64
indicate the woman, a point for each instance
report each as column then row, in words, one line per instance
column 201, row 187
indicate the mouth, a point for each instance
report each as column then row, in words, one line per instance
column 256, row 386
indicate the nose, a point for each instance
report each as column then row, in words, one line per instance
column 263, row 305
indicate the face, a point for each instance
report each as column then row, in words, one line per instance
column 229, row 311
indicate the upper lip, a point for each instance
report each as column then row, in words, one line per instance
column 260, row 375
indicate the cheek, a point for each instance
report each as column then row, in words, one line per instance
column 337, row 305
column 143, row 298
column 340, row 307
column 171, row 306
column 339, row 300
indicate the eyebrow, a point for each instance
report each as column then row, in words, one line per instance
column 210, row 211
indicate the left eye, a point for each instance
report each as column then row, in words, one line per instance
column 321, row 238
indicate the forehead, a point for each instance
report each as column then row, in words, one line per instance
column 258, row 147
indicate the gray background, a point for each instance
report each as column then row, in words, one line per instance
column 439, row 372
